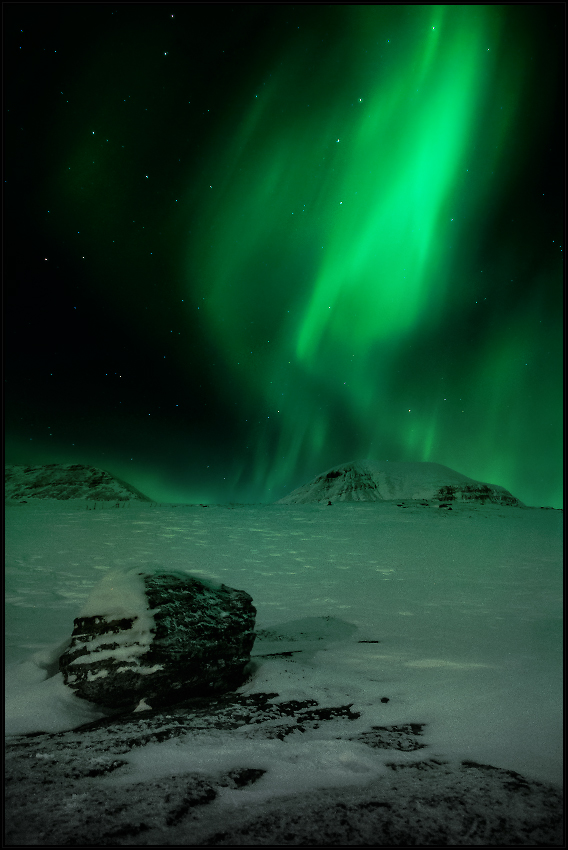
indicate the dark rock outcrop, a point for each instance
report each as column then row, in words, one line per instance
column 186, row 639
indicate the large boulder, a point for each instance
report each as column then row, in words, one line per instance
column 151, row 639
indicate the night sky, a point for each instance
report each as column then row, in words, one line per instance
column 244, row 244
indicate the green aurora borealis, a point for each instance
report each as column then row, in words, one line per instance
column 283, row 238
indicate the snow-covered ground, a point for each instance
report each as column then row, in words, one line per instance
column 454, row 617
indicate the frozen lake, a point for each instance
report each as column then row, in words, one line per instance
column 462, row 612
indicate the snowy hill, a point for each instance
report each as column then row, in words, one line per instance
column 66, row 481
column 378, row 481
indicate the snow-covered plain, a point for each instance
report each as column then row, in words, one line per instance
column 454, row 617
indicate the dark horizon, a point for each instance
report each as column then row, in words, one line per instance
column 246, row 244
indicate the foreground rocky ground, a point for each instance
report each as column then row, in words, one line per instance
column 55, row 794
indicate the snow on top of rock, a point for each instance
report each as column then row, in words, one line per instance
column 62, row 481
column 376, row 481
column 119, row 594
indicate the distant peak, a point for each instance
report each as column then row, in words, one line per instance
column 376, row 481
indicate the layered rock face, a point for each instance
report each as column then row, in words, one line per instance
column 168, row 637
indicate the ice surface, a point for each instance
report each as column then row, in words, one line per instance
column 455, row 617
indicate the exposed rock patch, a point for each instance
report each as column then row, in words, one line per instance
column 57, row 793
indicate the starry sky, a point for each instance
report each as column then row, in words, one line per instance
column 246, row 243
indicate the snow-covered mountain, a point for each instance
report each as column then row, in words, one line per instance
column 66, row 481
column 378, row 481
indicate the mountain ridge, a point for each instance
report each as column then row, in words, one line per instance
column 61, row 481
